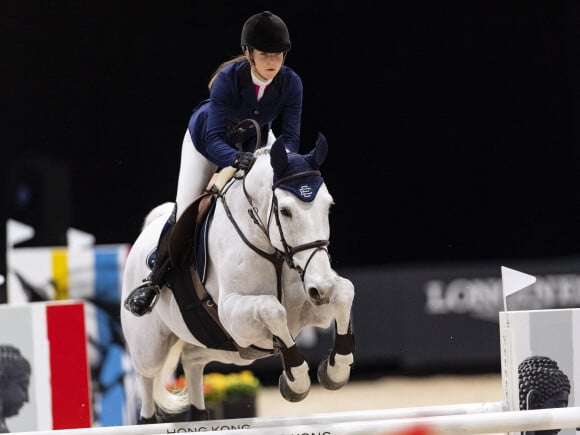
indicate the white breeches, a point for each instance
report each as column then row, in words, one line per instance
column 195, row 171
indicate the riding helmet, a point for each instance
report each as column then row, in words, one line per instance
column 266, row 32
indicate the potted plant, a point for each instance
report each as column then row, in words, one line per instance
column 230, row 395
column 241, row 390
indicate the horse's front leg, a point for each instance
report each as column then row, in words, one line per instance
column 251, row 319
column 334, row 369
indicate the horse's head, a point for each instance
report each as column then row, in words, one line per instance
column 300, row 207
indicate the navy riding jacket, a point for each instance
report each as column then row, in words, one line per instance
column 232, row 99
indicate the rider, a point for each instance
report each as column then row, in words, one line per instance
column 255, row 85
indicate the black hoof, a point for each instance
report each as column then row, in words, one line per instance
column 145, row 420
column 195, row 414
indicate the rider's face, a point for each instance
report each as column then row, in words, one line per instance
column 266, row 65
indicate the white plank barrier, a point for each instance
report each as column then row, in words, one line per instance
column 483, row 421
column 282, row 422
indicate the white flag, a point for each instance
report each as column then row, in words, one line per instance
column 17, row 232
column 79, row 239
column 514, row 281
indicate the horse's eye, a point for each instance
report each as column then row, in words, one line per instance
column 285, row 212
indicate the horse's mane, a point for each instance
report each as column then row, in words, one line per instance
column 262, row 151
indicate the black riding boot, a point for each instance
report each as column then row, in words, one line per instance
column 142, row 300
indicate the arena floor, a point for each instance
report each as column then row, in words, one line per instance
column 385, row 393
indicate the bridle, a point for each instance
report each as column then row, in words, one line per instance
column 289, row 251
column 278, row 257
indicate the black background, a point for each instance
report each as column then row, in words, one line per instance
column 452, row 126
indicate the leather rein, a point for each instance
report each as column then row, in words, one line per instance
column 278, row 257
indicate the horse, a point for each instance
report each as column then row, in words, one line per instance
column 266, row 275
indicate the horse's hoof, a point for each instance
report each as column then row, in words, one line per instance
column 150, row 420
column 287, row 393
column 325, row 380
column 194, row 414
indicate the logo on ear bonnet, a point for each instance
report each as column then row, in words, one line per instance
column 304, row 187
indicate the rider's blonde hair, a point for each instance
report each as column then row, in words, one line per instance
column 236, row 59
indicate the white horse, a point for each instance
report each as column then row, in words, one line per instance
column 267, row 275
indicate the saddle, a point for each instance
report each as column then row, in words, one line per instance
column 188, row 253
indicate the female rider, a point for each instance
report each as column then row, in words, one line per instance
column 255, row 85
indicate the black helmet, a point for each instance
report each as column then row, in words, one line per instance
column 266, row 32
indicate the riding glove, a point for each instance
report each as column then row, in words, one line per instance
column 244, row 161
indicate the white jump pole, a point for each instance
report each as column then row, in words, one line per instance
column 475, row 423
column 259, row 422
column 280, row 422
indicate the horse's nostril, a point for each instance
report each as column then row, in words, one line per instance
column 313, row 293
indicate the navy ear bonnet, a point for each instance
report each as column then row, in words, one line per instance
column 289, row 166
column 305, row 187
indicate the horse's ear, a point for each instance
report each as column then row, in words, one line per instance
column 318, row 154
column 279, row 156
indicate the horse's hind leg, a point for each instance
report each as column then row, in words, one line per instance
column 334, row 369
column 153, row 349
column 193, row 364
column 148, row 407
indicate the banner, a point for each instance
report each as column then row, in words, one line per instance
column 51, row 336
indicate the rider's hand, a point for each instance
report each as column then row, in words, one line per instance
column 244, row 161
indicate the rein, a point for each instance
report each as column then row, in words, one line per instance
column 275, row 258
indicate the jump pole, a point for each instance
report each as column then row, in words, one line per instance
column 282, row 422
column 475, row 423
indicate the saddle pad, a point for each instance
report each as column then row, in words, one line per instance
column 200, row 255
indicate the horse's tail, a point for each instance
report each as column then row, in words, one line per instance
column 167, row 401
column 164, row 209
